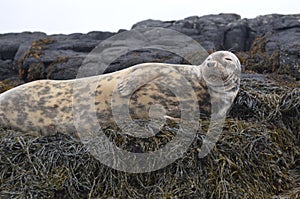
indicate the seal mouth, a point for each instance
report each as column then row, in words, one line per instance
column 217, row 74
column 218, row 78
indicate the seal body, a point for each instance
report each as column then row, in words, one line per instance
column 143, row 91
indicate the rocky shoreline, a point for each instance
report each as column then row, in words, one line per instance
column 265, row 44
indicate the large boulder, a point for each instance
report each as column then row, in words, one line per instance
column 239, row 36
column 265, row 44
column 283, row 36
column 12, row 47
column 58, row 56
column 11, row 43
column 207, row 30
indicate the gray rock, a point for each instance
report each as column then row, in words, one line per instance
column 13, row 46
column 60, row 55
column 142, row 56
column 239, row 36
column 11, row 43
column 207, row 30
column 38, row 56
column 142, row 45
column 7, row 70
column 283, row 35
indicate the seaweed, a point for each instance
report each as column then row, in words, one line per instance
column 36, row 69
column 9, row 84
column 258, row 60
column 257, row 156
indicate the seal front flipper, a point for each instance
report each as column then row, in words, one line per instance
column 141, row 75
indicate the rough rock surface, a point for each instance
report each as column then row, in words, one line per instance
column 265, row 44
column 12, row 47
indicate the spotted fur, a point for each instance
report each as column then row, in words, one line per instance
column 45, row 107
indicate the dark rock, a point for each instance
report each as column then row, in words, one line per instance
column 37, row 56
column 153, row 23
column 8, row 50
column 283, row 35
column 142, row 56
column 239, row 36
column 268, row 24
column 58, row 56
column 53, row 64
column 207, row 30
column 142, row 45
column 66, row 69
column 7, row 70
column 97, row 35
column 11, row 43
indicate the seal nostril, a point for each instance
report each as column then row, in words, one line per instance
column 228, row 59
column 211, row 64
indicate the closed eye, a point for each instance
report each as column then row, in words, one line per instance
column 228, row 59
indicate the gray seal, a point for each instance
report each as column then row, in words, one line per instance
column 45, row 107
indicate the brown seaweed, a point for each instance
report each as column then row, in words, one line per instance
column 257, row 156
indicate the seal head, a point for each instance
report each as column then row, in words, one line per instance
column 220, row 68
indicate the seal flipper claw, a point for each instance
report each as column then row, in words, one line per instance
column 174, row 119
